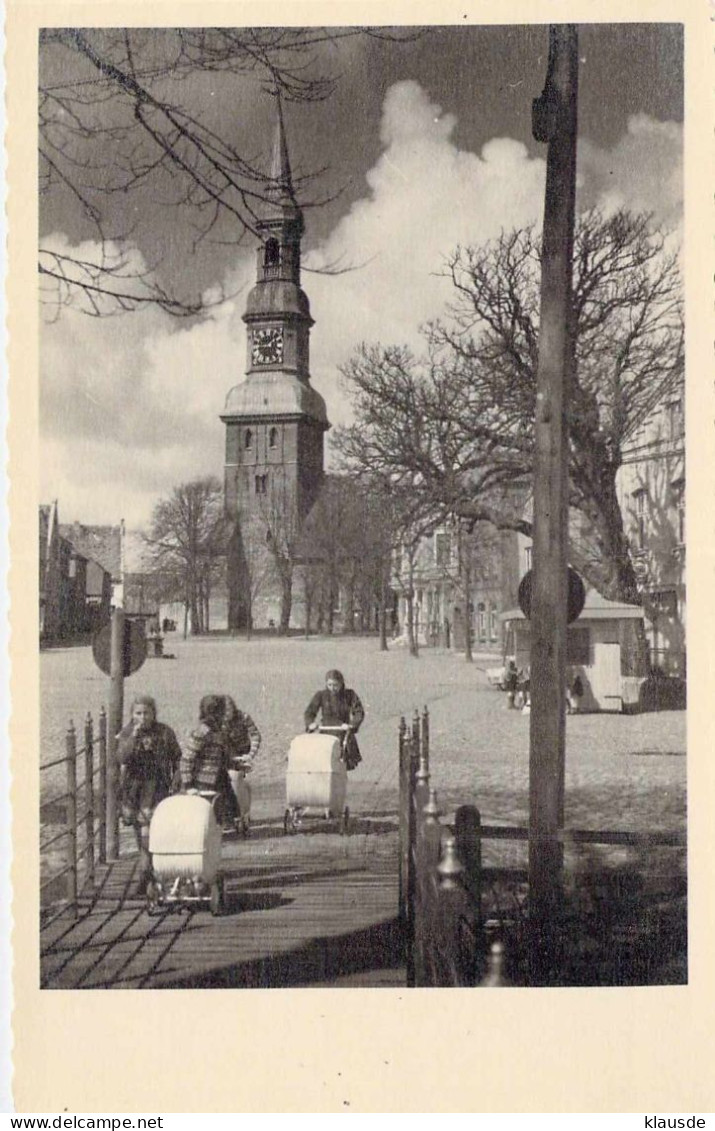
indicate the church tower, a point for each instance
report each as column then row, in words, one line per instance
column 275, row 420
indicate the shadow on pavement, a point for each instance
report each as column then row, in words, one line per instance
column 367, row 951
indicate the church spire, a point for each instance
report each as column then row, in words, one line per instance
column 280, row 192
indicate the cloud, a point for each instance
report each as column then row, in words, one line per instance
column 130, row 405
column 643, row 172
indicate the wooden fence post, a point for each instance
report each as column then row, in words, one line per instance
column 428, row 928
column 71, row 811
column 404, row 803
column 411, row 759
column 423, row 871
column 467, row 834
column 89, row 797
column 102, row 787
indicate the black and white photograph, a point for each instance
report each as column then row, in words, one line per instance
column 362, row 524
column 357, row 661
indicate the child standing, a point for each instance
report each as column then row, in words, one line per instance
column 149, row 755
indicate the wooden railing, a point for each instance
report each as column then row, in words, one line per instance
column 442, row 877
column 81, row 813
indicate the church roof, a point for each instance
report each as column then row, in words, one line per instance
column 277, row 297
column 275, row 394
column 280, row 193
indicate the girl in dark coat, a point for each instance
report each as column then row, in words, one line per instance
column 149, row 755
column 339, row 706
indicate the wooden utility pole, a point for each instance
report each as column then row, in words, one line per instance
column 554, row 121
column 115, row 716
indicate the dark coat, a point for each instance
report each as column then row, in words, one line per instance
column 150, row 761
column 336, row 708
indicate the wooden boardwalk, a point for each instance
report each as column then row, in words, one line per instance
column 314, row 909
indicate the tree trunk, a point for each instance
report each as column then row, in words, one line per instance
column 308, row 611
column 286, row 601
column 410, row 618
column 467, row 587
column 382, row 611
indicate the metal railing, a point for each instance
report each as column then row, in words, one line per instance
column 442, row 879
column 82, row 813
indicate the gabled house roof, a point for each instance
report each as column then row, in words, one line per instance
column 100, row 543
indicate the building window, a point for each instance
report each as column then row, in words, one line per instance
column 482, row 621
column 676, row 420
column 273, row 438
column 247, row 438
column 494, row 623
column 578, row 646
column 639, row 515
column 261, row 484
column 677, row 490
column 272, row 253
column 442, row 548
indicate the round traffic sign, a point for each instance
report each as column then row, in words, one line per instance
column 575, row 600
column 133, row 650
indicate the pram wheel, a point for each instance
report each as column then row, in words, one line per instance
column 152, row 898
column 217, row 903
column 345, row 822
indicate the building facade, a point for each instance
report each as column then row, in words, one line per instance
column 75, row 589
column 275, row 420
column 453, row 578
column 652, row 496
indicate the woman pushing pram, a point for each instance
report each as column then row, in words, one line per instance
column 223, row 744
column 339, row 707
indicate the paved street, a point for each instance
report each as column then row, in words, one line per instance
column 622, row 771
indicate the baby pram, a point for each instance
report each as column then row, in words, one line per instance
column 316, row 779
column 185, row 850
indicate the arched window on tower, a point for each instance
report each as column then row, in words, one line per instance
column 247, row 438
column 273, row 438
column 272, row 253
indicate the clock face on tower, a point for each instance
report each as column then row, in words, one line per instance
column 267, row 346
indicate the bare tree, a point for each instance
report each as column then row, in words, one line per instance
column 122, row 127
column 459, row 422
column 186, row 542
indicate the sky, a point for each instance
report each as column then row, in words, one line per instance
column 426, row 145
